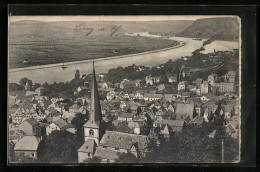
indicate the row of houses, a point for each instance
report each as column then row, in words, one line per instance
column 201, row 87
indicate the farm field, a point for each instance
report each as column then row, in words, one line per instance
column 42, row 51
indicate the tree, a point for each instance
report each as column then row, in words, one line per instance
column 23, row 82
column 14, row 87
column 46, row 85
column 78, row 121
column 11, row 152
column 35, row 86
column 152, row 151
column 59, row 147
column 77, row 75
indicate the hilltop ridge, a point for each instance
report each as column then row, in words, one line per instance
column 214, row 28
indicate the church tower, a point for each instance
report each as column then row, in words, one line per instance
column 93, row 127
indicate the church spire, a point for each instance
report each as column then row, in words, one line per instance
column 95, row 109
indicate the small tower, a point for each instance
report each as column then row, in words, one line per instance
column 27, row 86
column 93, row 127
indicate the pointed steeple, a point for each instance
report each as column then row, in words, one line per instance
column 95, row 115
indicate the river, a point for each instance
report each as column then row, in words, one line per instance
column 54, row 72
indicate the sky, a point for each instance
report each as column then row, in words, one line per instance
column 112, row 18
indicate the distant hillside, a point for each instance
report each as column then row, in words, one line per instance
column 214, row 28
column 66, row 29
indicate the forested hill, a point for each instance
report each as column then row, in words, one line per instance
column 214, row 28
column 67, row 29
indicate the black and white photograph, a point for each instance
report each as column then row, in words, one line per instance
column 100, row 89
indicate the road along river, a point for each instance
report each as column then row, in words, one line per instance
column 54, row 72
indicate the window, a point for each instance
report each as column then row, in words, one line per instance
column 88, row 154
column 116, row 148
column 91, row 133
column 32, row 154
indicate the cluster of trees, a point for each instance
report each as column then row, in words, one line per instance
column 66, row 89
column 62, row 146
column 22, row 83
column 132, row 72
column 197, row 60
column 193, row 145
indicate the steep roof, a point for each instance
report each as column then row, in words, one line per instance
column 75, row 106
column 27, row 143
column 197, row 120
column 153, row 95
column 31, row 121
column 126, row 115
column 123, row 140
column 104, row 153
column 123, row 127
column 133, row 125
column 172, row 123
column 60, row 123
column 95, row 115
column 211, row 96
column 165, row 130
column 88, row 146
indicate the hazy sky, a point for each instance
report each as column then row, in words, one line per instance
column 112, row 18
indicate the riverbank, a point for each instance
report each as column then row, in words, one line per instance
column 55, row 73
column 181, row 44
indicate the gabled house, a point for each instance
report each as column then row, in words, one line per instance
column 208, row 97
column 204, row 87
column 87, row 150
column 125, row 117
column 230, row 76
column 197, row 120
column 226, row 87
column 59, row 124
column 166, row 132
column 212, row 78
column 75, row 108
column 172, row 79
column 126, row 84
column 152, row 97
column 114, row 143
column 52, row 112
column 160, row 87
column 27, row 147
column 182, row 86
column 184, row 110
column 138, row 96
column 149, row 80
column 30, row 127
column 191, row 88
column 169, row 97
column 176, row 125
